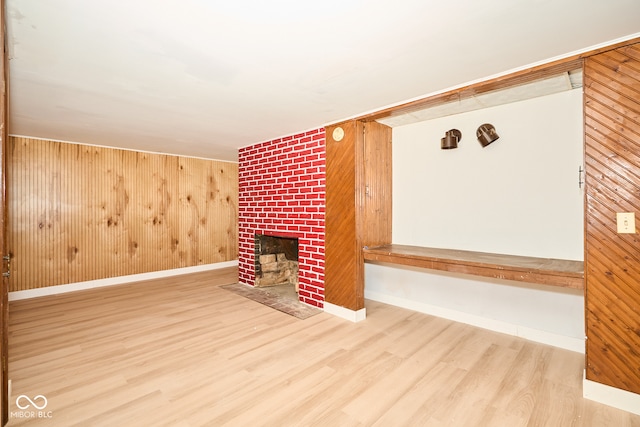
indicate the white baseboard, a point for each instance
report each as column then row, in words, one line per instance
column 611, row 396
column 561, row 341
column 78, row 286
column 345, row 313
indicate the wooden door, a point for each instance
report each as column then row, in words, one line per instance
column 612, row 259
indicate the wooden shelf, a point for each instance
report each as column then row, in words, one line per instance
column 546, row 271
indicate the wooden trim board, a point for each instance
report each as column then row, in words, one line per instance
column 119, row 280
column 545, row 271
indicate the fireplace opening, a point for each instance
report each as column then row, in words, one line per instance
column 276, row 261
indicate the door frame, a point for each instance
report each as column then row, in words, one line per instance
column 4, row 280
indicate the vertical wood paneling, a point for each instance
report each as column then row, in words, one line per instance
column 612, row 275
column 79, row 213
column 4, row 282
column 377, row 214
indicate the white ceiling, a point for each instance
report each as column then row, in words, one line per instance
column 205, row 77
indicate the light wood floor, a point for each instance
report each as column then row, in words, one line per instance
column 181, row 351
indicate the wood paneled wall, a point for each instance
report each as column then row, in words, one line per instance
column 359, row 202
column 344, row 266
column 612, row 260
column 4, row 282
column 79, row 213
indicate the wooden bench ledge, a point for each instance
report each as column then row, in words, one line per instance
column 546, row 271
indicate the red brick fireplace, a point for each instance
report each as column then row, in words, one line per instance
column 282, row 193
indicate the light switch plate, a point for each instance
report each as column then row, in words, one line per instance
column 626, row 222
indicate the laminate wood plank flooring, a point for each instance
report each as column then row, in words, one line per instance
column 182, row 351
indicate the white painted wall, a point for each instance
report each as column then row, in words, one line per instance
column 519, row 196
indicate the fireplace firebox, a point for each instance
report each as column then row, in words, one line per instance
column 276, row 260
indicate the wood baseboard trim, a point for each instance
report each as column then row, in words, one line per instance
column 78, row 286
column 611, row 396
column 536, row 335
column 345, row 313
